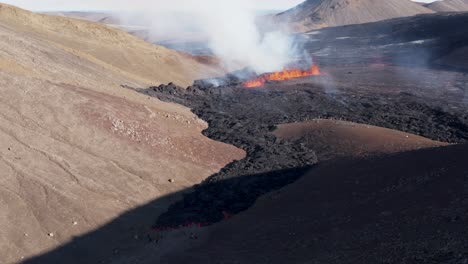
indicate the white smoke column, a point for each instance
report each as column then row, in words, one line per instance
column 234, row 37
column 229, row 26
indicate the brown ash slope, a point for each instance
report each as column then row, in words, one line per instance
column 332, row 139
column 313, row 14
column 74, row 146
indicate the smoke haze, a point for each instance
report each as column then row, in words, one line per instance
column 229, row 28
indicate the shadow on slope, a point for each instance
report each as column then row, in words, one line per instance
column 136, row 229
column 402, row 208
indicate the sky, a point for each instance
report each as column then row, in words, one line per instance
column 121, row 5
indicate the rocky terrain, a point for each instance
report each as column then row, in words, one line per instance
column 245, row 118
column 77, row 150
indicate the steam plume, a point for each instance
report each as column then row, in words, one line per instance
column 229, row 27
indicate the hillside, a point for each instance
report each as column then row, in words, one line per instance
column 78, row 150
column 437, row 39
column 111, row 48
column 449, row 6
column 314, row 14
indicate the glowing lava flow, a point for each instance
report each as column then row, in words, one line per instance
column 254, row 83
column 282, row 76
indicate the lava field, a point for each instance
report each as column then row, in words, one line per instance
column 246, row 118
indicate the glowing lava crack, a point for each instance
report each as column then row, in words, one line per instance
column 282, row 76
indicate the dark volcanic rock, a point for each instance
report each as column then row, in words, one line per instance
column 246, row 117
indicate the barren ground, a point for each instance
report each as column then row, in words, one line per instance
column 77, row 150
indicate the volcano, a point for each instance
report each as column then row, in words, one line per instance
column 353, row 163
column 314, row 14
column 449, row 6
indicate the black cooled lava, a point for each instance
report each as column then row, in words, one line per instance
column 246, row 117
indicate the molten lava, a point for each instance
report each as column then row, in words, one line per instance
column 282, row 76
column 254, row 83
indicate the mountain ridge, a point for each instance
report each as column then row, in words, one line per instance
column 448, row 6
column 314, row 14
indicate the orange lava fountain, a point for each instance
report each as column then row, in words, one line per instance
column 282, row 76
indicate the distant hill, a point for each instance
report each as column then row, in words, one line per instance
column 449, row 6
column 313, row 14
column 100, row 17
column 106, row 44
column 84, row 15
